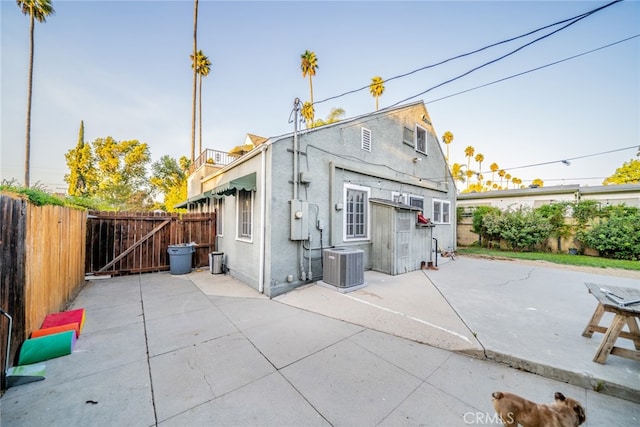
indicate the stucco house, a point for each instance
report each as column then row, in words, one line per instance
column 628, row 194
column 375, row 186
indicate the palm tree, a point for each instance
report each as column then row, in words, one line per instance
column 468, row 152
column 40, row 10
column 508, row 178
column 494, row 168
column 376, row 88
column 307, row 113
column 195, row 80
column 469, row 174
column 457, row 173
column 309, row 65
column 479, row 158
column 447, row 138
column 335, row 115
column 203, row 67
column 501, row 174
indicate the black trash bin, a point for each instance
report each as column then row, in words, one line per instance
column 180, row 258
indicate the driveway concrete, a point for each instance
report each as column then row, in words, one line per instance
column 202, row 349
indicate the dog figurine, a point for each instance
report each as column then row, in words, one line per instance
column 514, row 410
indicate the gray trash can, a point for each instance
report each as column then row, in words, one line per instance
column 180, row 258
column 215, row 262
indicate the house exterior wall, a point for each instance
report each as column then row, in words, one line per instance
column 241, row 255
column 329, row 159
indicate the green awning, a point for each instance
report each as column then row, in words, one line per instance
column 247, row 183
column 191, row 200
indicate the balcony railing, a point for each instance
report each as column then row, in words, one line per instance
column 220, row 158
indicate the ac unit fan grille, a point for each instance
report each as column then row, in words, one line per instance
column 343, row 267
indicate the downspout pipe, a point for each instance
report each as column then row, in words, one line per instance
column 296, row 108
column 263, row 219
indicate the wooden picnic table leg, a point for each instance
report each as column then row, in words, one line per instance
column 609, row 339
column 634, row 330
column 595, row 321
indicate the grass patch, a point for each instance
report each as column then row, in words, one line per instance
column 580, row 260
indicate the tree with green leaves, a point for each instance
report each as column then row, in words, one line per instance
column 376, row 88
column 309, row 65
column 82, row 175
column 628, row 173
column 169, row 178
column 121, row 170
column 115, row 173
column 36, row 10
column 203, row 67
column 335, row 115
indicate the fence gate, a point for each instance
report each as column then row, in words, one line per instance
column 120, row 243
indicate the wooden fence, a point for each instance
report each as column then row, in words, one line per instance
column 137, row 242
column 42, row 252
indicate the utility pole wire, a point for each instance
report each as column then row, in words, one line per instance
column 534, row 69
column 571, row 20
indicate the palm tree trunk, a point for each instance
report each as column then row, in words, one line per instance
column 200, row 113
column 195, row 80
column 311, row 96
column 27, row 163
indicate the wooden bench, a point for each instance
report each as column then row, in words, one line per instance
column 613, row 299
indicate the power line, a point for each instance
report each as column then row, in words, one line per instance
column 568, row 160
column 500, row 57
column 571, row 21
column 534, row 69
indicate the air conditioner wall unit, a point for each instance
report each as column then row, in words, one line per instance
column 343, row 267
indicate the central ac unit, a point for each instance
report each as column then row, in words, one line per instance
column 343, row 267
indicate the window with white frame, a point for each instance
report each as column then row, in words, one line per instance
column 366, row 139
column 441, row 211
column 356, row 215
column 421, row 139
column 245, row 214
column 417, row 201
column 219, row 215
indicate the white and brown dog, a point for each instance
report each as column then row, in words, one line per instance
column 514, row 410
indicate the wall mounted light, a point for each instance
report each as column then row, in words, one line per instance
column 417, row 159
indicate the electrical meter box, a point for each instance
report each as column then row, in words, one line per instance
column 299, row 220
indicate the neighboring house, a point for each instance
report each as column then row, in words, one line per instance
column 359, row 183
column 628, row 194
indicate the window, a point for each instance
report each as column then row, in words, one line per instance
column 366, row 139
column 441, row 209
column 245, row 214
column 421, row 139
column 218, row 206
column 356, row 216
column 417, row 201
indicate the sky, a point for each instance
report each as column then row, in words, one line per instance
column 123, row 68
